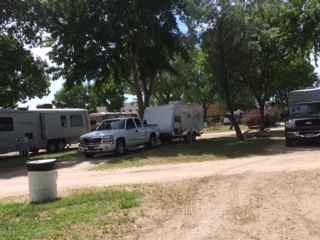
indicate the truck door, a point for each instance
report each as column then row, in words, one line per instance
column 131, row 133
column 141, row 134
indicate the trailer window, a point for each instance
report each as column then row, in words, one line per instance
column 6, row 124
column 63, row 121
column 76, row 120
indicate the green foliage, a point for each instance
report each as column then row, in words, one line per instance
column 90, row 97
column 299, row 28
column 133, row 40
column 22, row 76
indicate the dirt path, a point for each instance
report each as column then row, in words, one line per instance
column 274, row 196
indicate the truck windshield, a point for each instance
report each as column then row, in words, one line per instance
column 111, row 124
column 306, row 108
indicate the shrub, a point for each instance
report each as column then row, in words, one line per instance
column 252, row 117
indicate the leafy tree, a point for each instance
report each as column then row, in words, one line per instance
column 199, row 84
column 22, row 76
column 90, row 97
column 133, row 39
column 76, row 97
column 167, row 88
column 299, row 28
column 225, row 41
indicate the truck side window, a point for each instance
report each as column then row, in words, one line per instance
column 130, row 124
column 76, row 120
column 138, row 123
column 63, row 121
column 6, row 124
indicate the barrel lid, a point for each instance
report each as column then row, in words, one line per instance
column 44, row 161
column 41, row 165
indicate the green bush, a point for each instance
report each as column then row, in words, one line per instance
column 252, row 117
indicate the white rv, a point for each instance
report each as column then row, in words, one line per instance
column 96, row 118
column 50, row 129
column 176, row 120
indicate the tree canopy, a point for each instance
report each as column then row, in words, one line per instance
column 132, row 39
column 22, row 76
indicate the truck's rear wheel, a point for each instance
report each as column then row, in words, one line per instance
column 120, row 148
column 152, row 141
column 289, row 142
column 51, row 146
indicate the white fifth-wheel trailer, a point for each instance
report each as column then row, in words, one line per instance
column 50, row 129
column 176, row 120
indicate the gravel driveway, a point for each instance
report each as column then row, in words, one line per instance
column 274, row 196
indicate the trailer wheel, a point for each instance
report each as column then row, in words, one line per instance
column 51, row 146
column 194, row 136
column 152, row 141
column 60, row 145
column 88, row 155
column 120, row 148
column 35, row 151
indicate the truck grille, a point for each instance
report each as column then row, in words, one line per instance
column 92, row 140
column 308, row 123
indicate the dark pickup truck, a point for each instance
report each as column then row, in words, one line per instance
column 303, row 122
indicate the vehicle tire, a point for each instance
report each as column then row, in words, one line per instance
column 51, row 146
column 35, row 151
column 163, row 140
column 194, row 136
column 169, row 140
column 152, row 141
column 188, row 137
column 120, row 148
column 60, row 145
column 88, row 155
column 289, row 142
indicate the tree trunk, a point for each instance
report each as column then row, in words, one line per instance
column 230, row 107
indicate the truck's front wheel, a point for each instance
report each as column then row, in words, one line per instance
column 88, row 155
column 152, row 142
column 120, row 148
column 289, row 142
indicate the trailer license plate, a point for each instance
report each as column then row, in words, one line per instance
column 309, row 135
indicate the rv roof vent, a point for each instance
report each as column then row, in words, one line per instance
column 45, row 105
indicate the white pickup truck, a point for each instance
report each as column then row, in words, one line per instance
column 117, row 135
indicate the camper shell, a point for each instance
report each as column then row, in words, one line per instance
column 176, row 120
column 50, row 129
column 97, row 118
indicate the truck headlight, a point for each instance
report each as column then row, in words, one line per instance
column 290, row 124
column 107, row 139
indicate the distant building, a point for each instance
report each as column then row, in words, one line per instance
column 131, row 107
